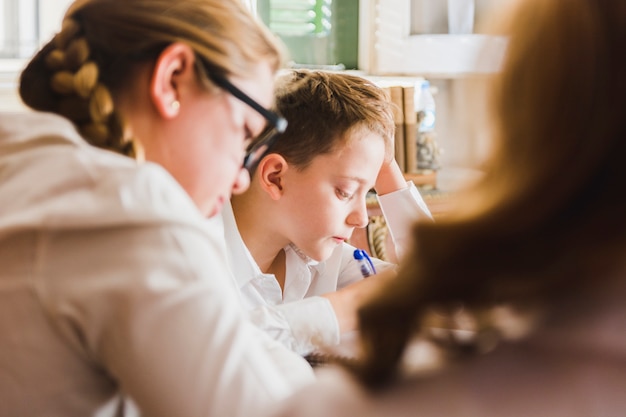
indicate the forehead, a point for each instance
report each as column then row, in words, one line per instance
column 360, row 131
column 357, row 156
column 357, row 140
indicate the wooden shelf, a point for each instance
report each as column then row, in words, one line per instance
column 426, row 178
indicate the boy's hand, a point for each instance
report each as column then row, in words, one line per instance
column 390, row 178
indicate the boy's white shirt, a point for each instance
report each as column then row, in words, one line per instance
column 299, row 317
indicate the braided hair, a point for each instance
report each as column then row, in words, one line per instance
column 91, row 61
column 71, row 87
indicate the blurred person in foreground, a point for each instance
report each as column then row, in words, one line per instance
column 542, row 235
column 113, row 284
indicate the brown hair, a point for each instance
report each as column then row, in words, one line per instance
column 547, row 220
column 93, row 56
column 321, row 107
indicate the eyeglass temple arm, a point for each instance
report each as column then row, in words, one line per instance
column 279, row 123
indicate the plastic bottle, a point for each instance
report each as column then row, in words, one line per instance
column 425, row 103
column 427, row 149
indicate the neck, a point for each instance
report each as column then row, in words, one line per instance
column 260, row 232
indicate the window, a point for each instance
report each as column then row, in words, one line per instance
column 393, row 40
column 19, row 34
column 315, row 32
column 24, row 26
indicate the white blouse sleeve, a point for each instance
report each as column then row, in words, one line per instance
column 160, row 317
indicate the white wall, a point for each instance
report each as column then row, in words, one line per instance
column 50, row 16
column 462, row 132
column 9, row 73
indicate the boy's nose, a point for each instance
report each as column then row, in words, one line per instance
column 359, row 217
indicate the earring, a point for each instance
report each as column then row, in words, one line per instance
column 175, row 105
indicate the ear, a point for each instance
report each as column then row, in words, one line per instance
column 270, row 174
column 173, row 68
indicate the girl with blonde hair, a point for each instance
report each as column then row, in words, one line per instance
column 113, row 285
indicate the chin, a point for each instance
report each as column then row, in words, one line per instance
column 323, row 254
column 215, row 208
column 319, row 251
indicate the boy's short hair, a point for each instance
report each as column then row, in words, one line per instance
column 321, row 107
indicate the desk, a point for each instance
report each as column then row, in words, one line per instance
column 420, row 355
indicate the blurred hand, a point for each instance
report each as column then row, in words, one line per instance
column 347, row 301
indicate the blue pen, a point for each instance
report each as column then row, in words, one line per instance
column 365, row 263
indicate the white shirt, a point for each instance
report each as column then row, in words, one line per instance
column 298, row 317
column 111, row 282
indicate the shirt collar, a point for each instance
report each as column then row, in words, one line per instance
column 305, row 258
column 242, row 264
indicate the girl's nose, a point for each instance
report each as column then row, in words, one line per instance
column 242, row 182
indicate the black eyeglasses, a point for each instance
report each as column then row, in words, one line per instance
column 276, row 123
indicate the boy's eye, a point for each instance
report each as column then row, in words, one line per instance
column 343, row 194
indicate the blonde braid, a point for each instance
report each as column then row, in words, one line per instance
column 83, row 99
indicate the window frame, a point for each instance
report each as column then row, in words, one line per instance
column 32, row 23
column 386, row 45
